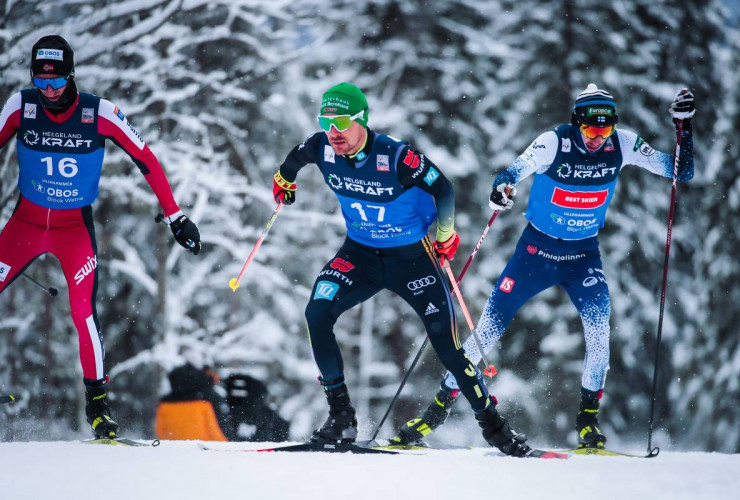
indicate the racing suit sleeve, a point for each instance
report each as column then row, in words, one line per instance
column 536, row 158
column 416, row 170
column 635, row 151
column 10, row 118
column 113, row 125
column 300, row 156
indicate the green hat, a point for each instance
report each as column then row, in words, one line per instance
column 345, row 99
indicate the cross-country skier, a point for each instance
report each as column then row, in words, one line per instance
column 60, row 139
column 389, row 194
column 575, row 169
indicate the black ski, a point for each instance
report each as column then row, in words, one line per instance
column 119, row 442
column 601, row 452
column 387, row 444
column 10, row 398
column 309, row 447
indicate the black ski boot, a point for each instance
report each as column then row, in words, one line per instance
column 97, row 411
column 587, row 422
column 341, row 426
column 498, row 433
column 413, row 431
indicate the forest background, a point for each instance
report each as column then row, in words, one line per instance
column 221, row 90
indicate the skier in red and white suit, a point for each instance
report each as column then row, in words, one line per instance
column 60, row 138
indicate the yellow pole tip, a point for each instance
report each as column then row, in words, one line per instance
column 234, row 284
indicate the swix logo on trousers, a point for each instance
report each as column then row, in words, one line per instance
column 507, row 285
column 341, row 265
column 89, row 267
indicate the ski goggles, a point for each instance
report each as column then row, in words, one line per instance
column 54, row 83
column 593, row 132
column 339, row 122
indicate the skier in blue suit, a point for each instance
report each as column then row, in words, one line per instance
column 575, row 169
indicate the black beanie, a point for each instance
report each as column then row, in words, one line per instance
column 53, row 55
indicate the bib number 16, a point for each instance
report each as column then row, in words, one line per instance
column 67, row 167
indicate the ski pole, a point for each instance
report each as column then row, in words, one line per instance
column 400, row 387
column 490, row 370
column 671, row 211
column 50, row 290
column 10, row 398
column 234, row 283
column 426, row 340
column 477, row 246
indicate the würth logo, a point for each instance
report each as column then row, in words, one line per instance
column 341, row 265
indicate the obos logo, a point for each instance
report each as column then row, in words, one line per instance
column 335, row 181
column 564, row 171
column 30, row 137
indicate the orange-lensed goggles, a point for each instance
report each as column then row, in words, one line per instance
column 593, row 132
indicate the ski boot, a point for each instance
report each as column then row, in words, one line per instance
column 341, row 426
column 498, row 433
column 97, row 411
column 413, row 431
column 587, row 422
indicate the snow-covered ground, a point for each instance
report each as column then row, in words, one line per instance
column 180, row 470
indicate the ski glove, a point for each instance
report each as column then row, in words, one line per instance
column 502, row 197
column 185, row 232
column 283, row 191
column 446, row 249
column 682, row 107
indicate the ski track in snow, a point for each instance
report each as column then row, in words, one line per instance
column 180, row 470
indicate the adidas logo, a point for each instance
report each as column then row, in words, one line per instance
column 431, row 309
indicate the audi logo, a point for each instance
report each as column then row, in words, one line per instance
column 421, row 283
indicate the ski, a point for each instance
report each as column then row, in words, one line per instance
column 609, row 453
column 534, row 453
column 387, row 444
column 10, row 398
column 119, row 442
column 309, row 447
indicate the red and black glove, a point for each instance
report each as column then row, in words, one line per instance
column 283, row 191
column 446, row 249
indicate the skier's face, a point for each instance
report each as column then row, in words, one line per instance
column 47, row 87
column 349, row 141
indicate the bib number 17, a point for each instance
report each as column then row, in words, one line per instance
column 363, row 215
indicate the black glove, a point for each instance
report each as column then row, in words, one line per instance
column 186, row 234
column 683, row 108
column 502, row 197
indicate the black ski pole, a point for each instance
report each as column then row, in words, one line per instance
column 50, row 290
column 10, row 398
column 671, row 211
column 400, row 387
column 426, row 340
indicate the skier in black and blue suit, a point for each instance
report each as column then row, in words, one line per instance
column 575, row 169
column 390, row 194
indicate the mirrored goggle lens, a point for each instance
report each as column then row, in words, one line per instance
column 593, row 132
column 340, row 122
column 55, row 83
